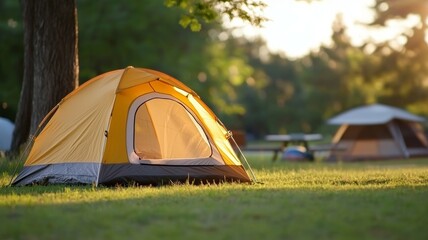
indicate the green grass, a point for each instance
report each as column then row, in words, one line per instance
column 369, row 200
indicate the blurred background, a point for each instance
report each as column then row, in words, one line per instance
column 310, row 61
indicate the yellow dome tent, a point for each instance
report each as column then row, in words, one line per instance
column 132, row 125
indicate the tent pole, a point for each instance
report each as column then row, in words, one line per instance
column 106, row 132
column 397, row 134
column 243, row 156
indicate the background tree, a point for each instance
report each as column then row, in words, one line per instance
column 201, row 60
column 11, row 34
column 273, row 95
column 336, row 77
column 200, row 11
column 404, row 70
column 50, row 61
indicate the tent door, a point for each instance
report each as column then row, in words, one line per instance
column 162, row 130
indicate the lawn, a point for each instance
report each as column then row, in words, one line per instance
column 368, row 200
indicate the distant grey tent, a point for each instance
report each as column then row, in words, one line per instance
column 6, row 131
column 378, row 132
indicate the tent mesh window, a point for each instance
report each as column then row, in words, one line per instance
column 367, row 132
column 409, row 133
column 164, row 129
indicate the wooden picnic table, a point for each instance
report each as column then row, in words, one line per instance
column 284, row 140
column 294, row 139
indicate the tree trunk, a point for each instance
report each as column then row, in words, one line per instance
column 23, row 116
column 51, row 66
column 55, row 55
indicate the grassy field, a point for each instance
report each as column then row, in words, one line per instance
column 369, row 200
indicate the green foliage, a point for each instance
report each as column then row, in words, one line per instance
column 11, row 52
column 403, row 72
column 196, row 11
column 195, row 26
column 134, row 36
column 300, row 95
column 370, row 200
column 337, row 68
column 393, row 9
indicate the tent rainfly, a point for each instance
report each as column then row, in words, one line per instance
column 131, row 125
column 378, row 132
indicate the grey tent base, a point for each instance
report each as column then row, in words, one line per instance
column 112, row 174
column 64, row 173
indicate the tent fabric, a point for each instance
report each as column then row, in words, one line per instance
column 378, row 132
column 179, row 135
column 373, row 114
column 132, row 124
column 6, row 133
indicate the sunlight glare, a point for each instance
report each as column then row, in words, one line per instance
column 297, row 27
